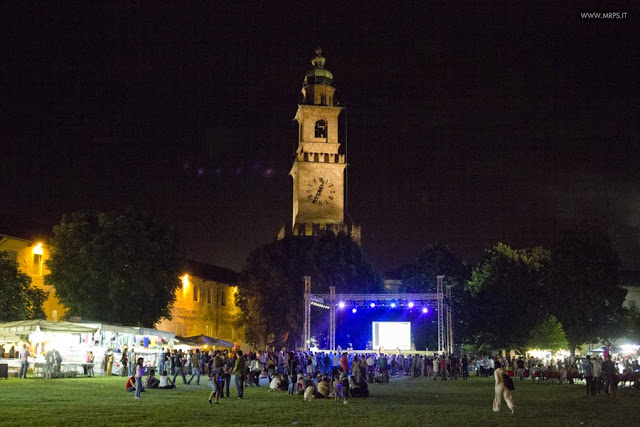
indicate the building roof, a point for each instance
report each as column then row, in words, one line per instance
column 24, row 228
column 630, row 278
column 212, row 272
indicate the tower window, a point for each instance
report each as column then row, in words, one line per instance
column 223, row 298
column 195, row 293
column 321, row 129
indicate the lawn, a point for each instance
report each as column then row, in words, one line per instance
column 403, row 402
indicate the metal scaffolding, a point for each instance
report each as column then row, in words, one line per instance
column 441, row 331
column 306, row 335
column 331, row 301
column 449, row 321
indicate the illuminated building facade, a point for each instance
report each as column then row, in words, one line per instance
column 205, row 304
column 31, row 254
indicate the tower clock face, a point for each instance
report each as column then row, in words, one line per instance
column 320, row 191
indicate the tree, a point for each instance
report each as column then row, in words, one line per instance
column 270, row 288
column 115, row 267
column 432, row 261
column 548, row 335
column 588, row 294
column 507, row 296
column 421, row 277
column 18, row 299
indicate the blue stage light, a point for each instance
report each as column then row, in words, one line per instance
column 353, row 310
column 393, row 305
column 341, row 304
column 410, row 304
column 425, row 310
column 372, row 305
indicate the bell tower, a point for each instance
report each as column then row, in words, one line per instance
column 318, row 170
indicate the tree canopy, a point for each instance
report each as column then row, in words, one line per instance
column 588, row 295
column 432, row 261
column 18, row 299
column 508, row 298
column 271, row 288
column 118, row 267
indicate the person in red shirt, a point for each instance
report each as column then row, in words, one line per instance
column 131, row 383
column 344, row 362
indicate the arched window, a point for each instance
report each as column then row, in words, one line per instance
column 321, row 129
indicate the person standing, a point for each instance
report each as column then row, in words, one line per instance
column 240, row 371
column 179, row 361
column 501, row 390
column 597, row 375
column 254, row 366
column 24, row 361
column 139, row 370
column 291, row 367
column 109, row 363
column 50, row 360
column 195, row 367
column 587, row 370
column 610, row 376
column 132, row 358
column 123, row 362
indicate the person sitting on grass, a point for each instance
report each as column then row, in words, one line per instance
column 152, row 381
column 165, row 381
column 275, row 383
column 300, row 386
column 284, row 382
column 324, row 388
column 358, row 388
column 131, row 384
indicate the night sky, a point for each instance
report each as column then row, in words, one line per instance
column 465, row 123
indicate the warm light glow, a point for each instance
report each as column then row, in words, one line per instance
column 185, row 284
column 539, row 354
column 37, row 249
column 629, row 348
column 411, row 304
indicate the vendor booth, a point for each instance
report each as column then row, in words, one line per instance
column 74, row 344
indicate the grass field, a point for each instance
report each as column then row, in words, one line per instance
column 403, row 402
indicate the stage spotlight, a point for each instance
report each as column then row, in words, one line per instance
column 425, row 310
column 393, row 305
column 341, row 304
column 353, row 310
column 372, row 305
column 410, row 304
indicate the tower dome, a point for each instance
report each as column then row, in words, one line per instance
column 318, row 75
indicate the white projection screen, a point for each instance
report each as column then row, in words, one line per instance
column 391, row 335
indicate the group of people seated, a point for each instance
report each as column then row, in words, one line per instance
column 152, row 381
column 322, row 387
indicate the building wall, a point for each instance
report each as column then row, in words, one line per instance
column 31, row 257
column 204, row 307
column 633, row 297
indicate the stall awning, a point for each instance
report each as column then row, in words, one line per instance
column 8, row 337
column 131, row 330
column 200, row 340
column 24, row 327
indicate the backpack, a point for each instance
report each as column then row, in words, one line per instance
column 508, row 382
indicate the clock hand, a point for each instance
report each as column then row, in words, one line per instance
column 315, row 199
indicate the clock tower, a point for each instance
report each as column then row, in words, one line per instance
column 318, row 170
